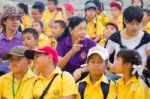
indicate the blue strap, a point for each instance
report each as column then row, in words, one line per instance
column 82, row 86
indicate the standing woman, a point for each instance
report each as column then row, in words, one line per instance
column 73, row 49
column 131, row 37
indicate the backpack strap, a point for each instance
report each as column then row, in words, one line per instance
column 82, row 86
column 47, row 88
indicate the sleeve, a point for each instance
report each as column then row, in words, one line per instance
column 148, row 46
column 1, row 87
column 110, row 47
column 59, row 49
column 69, row 87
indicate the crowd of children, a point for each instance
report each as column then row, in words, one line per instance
column 55, row 54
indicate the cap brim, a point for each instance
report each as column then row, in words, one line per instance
column 100, row 54
column 30, row 53
column 8, row 55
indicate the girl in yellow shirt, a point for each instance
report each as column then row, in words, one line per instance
column 130, row 86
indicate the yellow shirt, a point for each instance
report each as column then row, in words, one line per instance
column 102, row 42
column 119, row 22
column 26, row 21
column 147, row 28
column 43, row 40
column 134, row 89
column 102, row 18
column 62, row 85
column 95, row 28
column 95, row 91
column 25, row 89
column 48, row 16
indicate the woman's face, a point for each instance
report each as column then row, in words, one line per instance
column 79, row 31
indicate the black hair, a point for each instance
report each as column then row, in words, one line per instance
column 40, row 6
column 31, row 31
column 54, row 1
column 99, row 5
column 130, row 56
column 61, row 23
column 132, row 13
column 141, row 3
column 147, row 11
column 24, row 7
column 109, row 23
column 41, row 23
column 89, row 1
column 148, row 63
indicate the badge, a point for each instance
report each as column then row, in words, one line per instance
column 83, row 55
column 56, row 92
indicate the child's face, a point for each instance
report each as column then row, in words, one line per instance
column 109, row 30
column 115, row 11
column 146, row 18
column 96, row 65
column 36, row 15
column 118, row 65
column 137, row 3
column 57, row 30
column 90, row 13
column 29, row 41
column 37, row 27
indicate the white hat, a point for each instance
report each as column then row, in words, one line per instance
column 100, row 51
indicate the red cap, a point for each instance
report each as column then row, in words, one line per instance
column 116, row 4
column 46, row 49
column 69, row 7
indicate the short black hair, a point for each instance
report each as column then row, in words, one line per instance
column 148, row 63
column 130, row 56
column 54, row 1
column 24, row 7
column 147, row 11
column 99, row 5
column 61, row 23
column 141, row 3
column 133, row 13
column 40, row 6
column 31, row 31
column 109, row 23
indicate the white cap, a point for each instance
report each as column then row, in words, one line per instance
column 100, row 51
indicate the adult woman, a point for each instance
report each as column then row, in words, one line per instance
column 132, row 37
column 73, row 49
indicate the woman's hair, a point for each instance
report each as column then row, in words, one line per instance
column 132, row 13
column 31, row 31
column 130, row 56
column 73, row 22
column 40, row 6
column 141, row 3
column 24, row 7
column 148, row 63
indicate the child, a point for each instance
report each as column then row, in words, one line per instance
column 30, row 38
column 43, row 40
column 130, row 86
column 110, row 28
column 96, row 85
column 116, row 14
column 94, row 26
column 20, row 81
column 146, row 20
column 61, row 84
column 58, row 28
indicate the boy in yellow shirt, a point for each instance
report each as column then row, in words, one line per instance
column 130, row 86
column 52, row 83
column 96, row 85
column 94, row 26
column 43, row 39
column 116, row 14
column 19, row 82
column 50, row 16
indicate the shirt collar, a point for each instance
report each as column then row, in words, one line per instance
column 69, row 41
column 56, row 71
column 17, row 36
column 103, row 79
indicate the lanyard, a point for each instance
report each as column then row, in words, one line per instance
column 13, row 87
